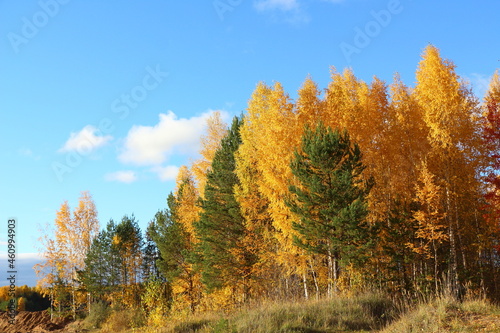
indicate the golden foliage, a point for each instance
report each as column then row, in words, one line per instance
column 430, row 217
column 216, row 130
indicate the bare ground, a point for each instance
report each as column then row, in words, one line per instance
column 36, row 322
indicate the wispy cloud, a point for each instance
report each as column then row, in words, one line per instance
column 284, row 5
column 289, row 11
column 24, row 256
column 480, row 83
column 26, row 152
column 152, row 145
column 167, row 173
column 85, row 141
column 125, row 176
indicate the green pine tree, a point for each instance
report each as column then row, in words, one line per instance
column 150, row 270
column 171, row 239
column 129, row 243
column 101, row 275
column 330, row 200
column 175, row 250
column 221, row 254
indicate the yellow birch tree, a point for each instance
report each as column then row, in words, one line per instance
column 451, row 112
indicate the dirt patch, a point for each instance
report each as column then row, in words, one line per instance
column 32, row 322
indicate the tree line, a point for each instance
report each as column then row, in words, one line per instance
column 362, row 185
column 26, row 298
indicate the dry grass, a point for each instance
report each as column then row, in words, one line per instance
column 366, row 313
column 362, row 314
column 444, row 314
column 123, row 320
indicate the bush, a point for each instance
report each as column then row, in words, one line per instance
column 123, row 320
column 99, row 312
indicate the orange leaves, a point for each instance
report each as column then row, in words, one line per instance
column 187, row 196
column 65, row 247
column 397, row 128
column 444, row 100
column 423, row 147
column 269, row 133
column 491, row 126
column 491, row 135
column 309, row 107
column 431, row 215
column 86, row 226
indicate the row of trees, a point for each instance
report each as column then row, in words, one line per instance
column 84, row 265
column 27, row 299
column 359, row 186
column 64, row 249
column 114, row 266
column 271, row 213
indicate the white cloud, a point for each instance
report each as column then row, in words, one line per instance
column 24, row 266
column 85, row 141
column 121, row 176
column 167, row 173
column 24, row 256
column 152, row 145
column 480, row 83
column 284, row 5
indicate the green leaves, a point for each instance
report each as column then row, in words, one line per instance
column 330, row 200
column 172, row 242
column 221, row 254
column 101, row 274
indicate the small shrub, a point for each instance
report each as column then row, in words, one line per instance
column 222, row 326
column 117, row 322
column 122, row 320
column 137, row 318
column 99, row 312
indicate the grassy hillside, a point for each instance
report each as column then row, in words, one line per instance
column 365, row 313
column 446, row 315
column 362, row 314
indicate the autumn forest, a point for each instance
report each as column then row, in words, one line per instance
column 359, row 186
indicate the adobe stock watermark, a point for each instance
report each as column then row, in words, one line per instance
column 32, row 26
column 223, row 6
column 121, row 108
column 364, row 36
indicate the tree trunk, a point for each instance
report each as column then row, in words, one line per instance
column 436, row 285
column 453, row 265
column 314, row 279
column 304, row 280
column 330, row 275
column 51, row 304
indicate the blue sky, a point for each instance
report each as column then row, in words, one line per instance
column 111, row 96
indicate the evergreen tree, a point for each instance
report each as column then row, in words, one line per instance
column 170, row 239
column 101, row 276
column 330, row 200
column 175, row 249
column 129, row 243
column 221, row 253
column 151, row 252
